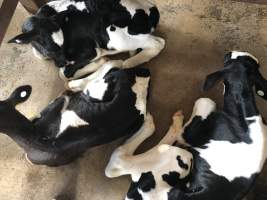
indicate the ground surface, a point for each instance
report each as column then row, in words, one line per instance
column 198, row 33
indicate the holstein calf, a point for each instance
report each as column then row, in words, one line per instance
column 110, row 105
column 75, row 33
column 157, row 171
column 229, row 145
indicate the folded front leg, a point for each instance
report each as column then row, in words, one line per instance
column 202, row 109
column 81, row 84
column 152, row 46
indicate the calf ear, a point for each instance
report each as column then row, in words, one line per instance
column 260, row 85
column 20, row 95
column 213, row 78
column 24, row 38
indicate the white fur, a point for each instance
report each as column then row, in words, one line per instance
column 203, row 107
column 18, row 41
column 70, row 119
column 23, row 94
column 60, row 5
column 97, row 89
column 97, row 86
column 241, row 159
column 223, row 88
column 260, row 93
column 58, row 37
column 140, row 89
column 236, row 54
column 132, row 6
column 122, row 41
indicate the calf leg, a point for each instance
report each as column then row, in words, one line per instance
column 90, row 68
column 152, row 47
column 202, row 108
column 120, row 161
column 80, row 84
column 175, row 128
column 144, row 132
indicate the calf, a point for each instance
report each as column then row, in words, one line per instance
column 155, row 172
column 111, row 105
column 75, row 33
column 229, row 145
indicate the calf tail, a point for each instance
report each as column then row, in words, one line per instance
column 20, row 95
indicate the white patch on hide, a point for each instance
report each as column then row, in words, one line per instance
column 140, row 89
column 236, row 54
column 240, row 159
column 60, row 5
column 58, row 37
column 70, row 119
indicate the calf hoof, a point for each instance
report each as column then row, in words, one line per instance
column 177, row 120
column 28, row 160
column 38, row 55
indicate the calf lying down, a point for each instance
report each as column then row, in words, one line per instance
column 228, row 146
column 75, row 33
column 109, row 104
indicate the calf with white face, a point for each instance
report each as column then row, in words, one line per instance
column 107, row 105
column 76, row 33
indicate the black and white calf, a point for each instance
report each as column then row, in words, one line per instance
column 112, row 104
column 229, row 145
column 156, row 172
column 75, row 33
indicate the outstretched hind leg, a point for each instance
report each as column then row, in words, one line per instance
column 192, row 128
column 120, row 161
column 144, row 132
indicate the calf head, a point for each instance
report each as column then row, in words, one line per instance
column 240, row 72
column 46, row 37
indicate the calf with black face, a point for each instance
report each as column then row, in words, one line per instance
column 229, row 146
column 76, row 33
column 107, row 105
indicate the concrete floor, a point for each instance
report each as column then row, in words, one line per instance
column 198, row 33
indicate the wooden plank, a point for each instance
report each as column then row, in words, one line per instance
column 32, row 5
column 6, row 12
column 29, row 5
